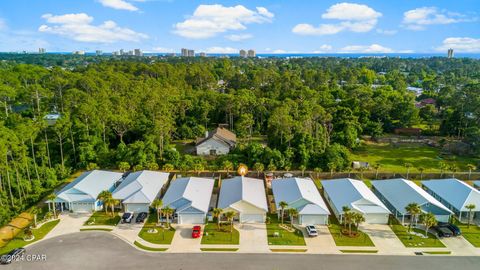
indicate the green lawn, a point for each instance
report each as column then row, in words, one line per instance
column 393, row 159
column 410, row 240
column 148, row 248
column 100, row 218
column 220, row 237
column 362, row 240
column 285, row 237
column 162, row 236
column 471, row 234
column 38, row 233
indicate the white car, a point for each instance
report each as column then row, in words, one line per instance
column 311, row 230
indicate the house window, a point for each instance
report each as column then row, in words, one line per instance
column 213, row 152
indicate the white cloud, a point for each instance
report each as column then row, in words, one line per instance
column 386, row 32
column 3, row 25
column 210, row 20
column 238, row 37
column 118, row 4
column 163, row 50
column 78, row 27
column 419, row 18
column 221, row 50
column 324, row 48
column 353, row 17
column 460, row 44
column 373, row 48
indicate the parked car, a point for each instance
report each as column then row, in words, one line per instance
column 141, row 217
column 311, row 230
column 127, row 217
column 12, row 256
column 196, row 231
column 442, row 231
column 454, row 228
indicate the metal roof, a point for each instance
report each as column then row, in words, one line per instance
column 354, row 194
column 242, row 188
column 140, row 187
column 193, row 191
column 476, row 183
column 457, row 193
column 88, row 185
column 292, row 190
column 401, row 192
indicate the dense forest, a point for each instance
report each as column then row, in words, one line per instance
column 127, row 112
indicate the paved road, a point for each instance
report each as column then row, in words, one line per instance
column 100, row 250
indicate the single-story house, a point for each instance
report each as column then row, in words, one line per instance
column 476, row 184
column 245, row 196
column 455, row 195
column 396, row 194
column 190, row 198
column 216, row 142
column 303, row 195
column 358, row 197
column 139, row 189
column 81, row 194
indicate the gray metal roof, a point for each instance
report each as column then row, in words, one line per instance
column 457, row 193
column 88, row 185
column 300, row 193
column 190, row 192
column 401, row 192
column 354, row 194
column 476, row 184
column 140, row 187
column 242, row 188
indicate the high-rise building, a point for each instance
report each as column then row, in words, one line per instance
column 188, row 52
column 98, row 52
column 184, row 52
column 122, row 52
column 42, row 50
column 243, row 53
column 450, row 53
column 191, row 53
column 138, row 52
column 251, row 53
column 203, row 54
column 79, row 52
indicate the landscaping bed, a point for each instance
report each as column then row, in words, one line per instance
column 38, row 233
column 102, row 218
column 293, row 237
column 342, row 238
column 161, row 236
column 214, row 236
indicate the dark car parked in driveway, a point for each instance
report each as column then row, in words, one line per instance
column 12, row 256
column 127, row 217
column 442, row 231
column 141, row 217
column 455, row 229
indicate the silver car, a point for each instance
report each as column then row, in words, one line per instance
column 311, row 230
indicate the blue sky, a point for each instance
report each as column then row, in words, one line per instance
column 269, row 26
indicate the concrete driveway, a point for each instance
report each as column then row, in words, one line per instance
column 323, row 243
column 69, row 223
column 384, row 239
column 460, row 246
column 182, row 240
column 253, row 237
column 128, row 231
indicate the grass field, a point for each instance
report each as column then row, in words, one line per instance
column 285, row 237
column 100, row 218
column 162, row 236
column 362, row 240
column 220, row 237
column 471, row 234
column 410, row 240
column 393, row 159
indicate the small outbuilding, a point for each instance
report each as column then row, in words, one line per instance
column 301, row 194
column 139, row 189
column 216, row 142
column 396, row 194
column 455, row 195
column 246, row 197
column 358, row 197
column 190, row 198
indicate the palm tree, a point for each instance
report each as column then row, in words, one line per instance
column 51, row 198
column 358, row 218
column 376, row 166
column 349, row 217
column 303, row 168
column 443, row 166
column 428, row 220
column 168, row 167
column 345, row 210
column 158, row 204
column 123, row 166
column 103, row 196
column 258, row 167
column 227, row 166
column 167, row 211
column 470, row 208
column 216, row 214
column 293, row 213
column 408, row 166
column 111, row 202
column 331, row 166
column 271, row 167
column 453, row 169
column 34, row 211
column 421, row 169
column 471, row 168
column 283, row 205
column 413, row 209
column 317, row 171
column 230, row 215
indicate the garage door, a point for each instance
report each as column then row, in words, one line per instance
column 376, row 218
column 191, row 219
column 82, row 207
column 136, row 207
column 313, row 220
column 252, row 218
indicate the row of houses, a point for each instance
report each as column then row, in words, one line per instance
column 192, row 197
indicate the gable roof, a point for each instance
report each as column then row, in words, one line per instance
column 242, row 188
column 87, row 186
column 457, row 193
column 220, row 134
column 476, row 183
column 354, row 194
column 195, row 191
column 140, row 187
column 400, row 192
column 291, row 190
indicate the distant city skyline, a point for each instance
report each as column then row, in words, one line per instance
column 213, row 27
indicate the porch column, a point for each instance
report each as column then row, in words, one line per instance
column 403, row 219
column 61, row 207
column 460, row 216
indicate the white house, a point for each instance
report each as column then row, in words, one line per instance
column 139, row 189
column 216, row 142
column 80, row 195
column 358, row 197
column 246, row 197
column 396, row 194
column 455, row 195
column 303, row 195
column 190, row 198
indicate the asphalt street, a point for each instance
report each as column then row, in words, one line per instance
column 100, row 250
